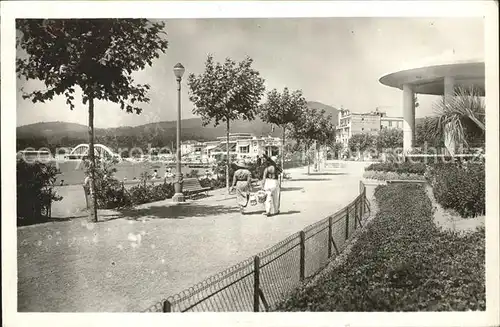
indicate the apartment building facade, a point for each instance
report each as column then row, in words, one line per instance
column 350, row 123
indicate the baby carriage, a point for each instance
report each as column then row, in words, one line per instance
column 257, row 197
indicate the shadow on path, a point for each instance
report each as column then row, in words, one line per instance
column 178, row 211
column 310, row 179
column 260, row 212
column 289, row 212
column 291, row 188
column 324, row 174
column 83, row 215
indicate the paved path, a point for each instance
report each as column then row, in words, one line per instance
column 136, row 258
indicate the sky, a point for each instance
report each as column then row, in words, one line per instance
column 336, row 61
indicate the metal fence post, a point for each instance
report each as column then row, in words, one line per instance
column 302, row 255
column 347, row 223
column 361, row 204
column 256, row 283
column 167, row 306
column 356, row 213
column 330, row 236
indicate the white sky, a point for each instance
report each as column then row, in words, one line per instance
column 336, row 61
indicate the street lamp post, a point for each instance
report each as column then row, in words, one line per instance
column 178, row 196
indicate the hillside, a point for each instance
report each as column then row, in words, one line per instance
column 328, row 109
column 70, row 134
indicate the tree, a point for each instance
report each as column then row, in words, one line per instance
column 325, row 133
column 336, row 148
column 96, row 55
column 361, row 142
column 282, row 110
column 312, row 126
column 225, row 92
column 460, row 119
column 389, row 138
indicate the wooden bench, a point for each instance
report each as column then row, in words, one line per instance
column 192, row 186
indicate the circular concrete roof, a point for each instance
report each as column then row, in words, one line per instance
column 429, row 78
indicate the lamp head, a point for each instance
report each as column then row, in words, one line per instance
column 179, row 70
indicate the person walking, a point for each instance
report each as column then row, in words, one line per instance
column 242, row 184
column 271, row 185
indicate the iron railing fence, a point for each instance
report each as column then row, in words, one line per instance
column 262, row 282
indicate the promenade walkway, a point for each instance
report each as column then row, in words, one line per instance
column 140, row 256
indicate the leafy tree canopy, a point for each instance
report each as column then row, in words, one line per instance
column 226, row 91
column 98, row 55
column 283, row 108
column 389, row 138
column 361, row 142
column 313, row 125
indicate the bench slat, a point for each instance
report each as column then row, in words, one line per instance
column 192, row 185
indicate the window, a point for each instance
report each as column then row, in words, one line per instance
column 245, row 149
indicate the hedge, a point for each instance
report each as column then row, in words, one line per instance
column 403, row 167
column 385, row 176
column 402, row 262
column 460, row 187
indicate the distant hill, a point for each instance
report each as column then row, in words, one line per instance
column 328, row 109
column 70, row 134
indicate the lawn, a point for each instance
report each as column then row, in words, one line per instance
column 402, row 262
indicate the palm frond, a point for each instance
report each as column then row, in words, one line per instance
column 461, row 115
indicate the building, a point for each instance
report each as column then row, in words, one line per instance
column 241, row 146
column 192, row 149
column 391, row 122
column 351, row 123
column 440, row 75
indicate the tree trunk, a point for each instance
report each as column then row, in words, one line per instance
column 317, row 156
column 283, row 152
column 93, row 200
column 308, row 161
column 227, row 152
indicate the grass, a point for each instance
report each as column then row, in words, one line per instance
column 402, row 262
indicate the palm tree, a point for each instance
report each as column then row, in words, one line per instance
column 460, row 119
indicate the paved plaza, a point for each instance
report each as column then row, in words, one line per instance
column 137, row 257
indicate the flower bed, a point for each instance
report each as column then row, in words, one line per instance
column 400, row 168
column 402, row 262
column 460, row 187
column 385, row 176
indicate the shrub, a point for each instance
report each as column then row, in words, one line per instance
column 385, row 176
column 400, row 168
column 109, row 191
column 34, row 191
column 459, row 186
column 193, row 173
column 213, row 183
column 141, row 193
column 402, row 262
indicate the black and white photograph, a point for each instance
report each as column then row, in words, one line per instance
column 251, row 161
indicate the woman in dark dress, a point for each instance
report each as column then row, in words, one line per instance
column 242, row 182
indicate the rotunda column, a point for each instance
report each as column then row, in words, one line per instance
column 408, row 117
